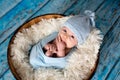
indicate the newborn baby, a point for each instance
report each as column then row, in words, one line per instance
column 61, row 44
column 55, row 49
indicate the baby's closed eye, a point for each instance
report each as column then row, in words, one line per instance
column 72, row 37
column 64, row 30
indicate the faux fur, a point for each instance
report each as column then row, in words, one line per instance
column 80, row 64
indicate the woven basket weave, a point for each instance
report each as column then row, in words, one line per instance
column 27, row 25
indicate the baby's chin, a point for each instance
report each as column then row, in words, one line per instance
column 70, row 46
column 67, row 46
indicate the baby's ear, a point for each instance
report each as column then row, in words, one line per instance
column 91, row 16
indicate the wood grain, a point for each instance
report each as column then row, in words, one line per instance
column 107, row 14
column 81, row 5
column 4, row 6
column 17, row 16
column 109, row 54
column 54, row 6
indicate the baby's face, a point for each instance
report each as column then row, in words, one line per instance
column 68, row 37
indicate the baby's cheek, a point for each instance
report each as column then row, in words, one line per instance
column 70, row 44
column 73, row 43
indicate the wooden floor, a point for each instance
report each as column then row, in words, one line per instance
column 13, row 13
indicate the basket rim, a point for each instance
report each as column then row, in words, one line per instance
column 44, row 16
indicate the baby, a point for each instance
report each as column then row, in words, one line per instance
column 54, row 50
column 62, row 44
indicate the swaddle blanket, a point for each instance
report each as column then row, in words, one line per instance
column 39, row 59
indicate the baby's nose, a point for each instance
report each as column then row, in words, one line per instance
column 65, row 36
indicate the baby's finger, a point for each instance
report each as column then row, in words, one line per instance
column 51, row 48
column 54, row 49
column 57, row 39
column 60, row 39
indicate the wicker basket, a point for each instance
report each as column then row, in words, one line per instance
column 27, row 25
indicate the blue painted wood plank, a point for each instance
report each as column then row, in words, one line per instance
column 117, row 77
column 109, row 53
column 17, row 16
column 115, row 72
column 55, row 6
column 5, row 73
column 3, row 57
column 83, row 5
column 8, row 76
column 92, row 5
column 107, row 14
column 75, row 8
column 4, row 6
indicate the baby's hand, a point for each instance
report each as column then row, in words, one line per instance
column 51, row 47
column 47, row 46
column 60, row 44
column 48, row 53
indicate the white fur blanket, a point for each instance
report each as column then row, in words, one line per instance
column 81, row 62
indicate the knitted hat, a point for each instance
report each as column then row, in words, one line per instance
column 81, row 25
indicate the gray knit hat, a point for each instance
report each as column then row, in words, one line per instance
column 81, row 25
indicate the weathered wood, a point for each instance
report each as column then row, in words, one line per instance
column 3, row 57
column 55, row 6
column 8, row 76
column 82, row 5
column 107, row 14
column 17, row 16
column 115, row 72
column 4, row 6
column 109, row 54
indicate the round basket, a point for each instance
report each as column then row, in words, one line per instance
column 25, row 26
